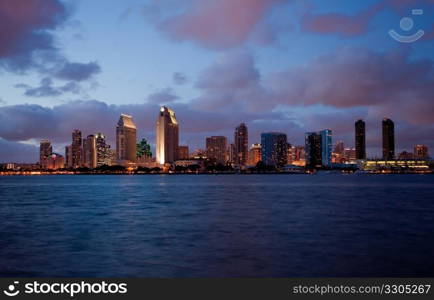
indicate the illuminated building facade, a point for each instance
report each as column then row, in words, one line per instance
column 360, row 136
column 420, row 152
column 318, row 147
column 45, row 150
column 241, row 144
column 216, row 149
column 68, row 156
column 167, row 134
column 274, row 147
column 89, row 152
column 103, row 151
column 388, row 130
column 183, row 152
column 255, row 154
column 126, row 137
column 77, row 150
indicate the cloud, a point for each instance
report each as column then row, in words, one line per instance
column 357, row 24
column 78, row 71
column 179, row 78
column 213, row 24
column 27, row 43
column 17, row 152
column 164, row 96
column 46, row 88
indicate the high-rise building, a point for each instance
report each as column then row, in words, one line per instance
column 241, row 143
column 216, row 149
column 45, row 150
column 255, row 154
column 167, row 136
column 103, row 151
column 126, row 138
column 420, row 152
column 89, row 152
column 339, row 147
column 319, row 148
column 183, row 153
column 360, row 135
column 54, row 161
column 350, row 154
column 68, row 156
column 77, row 151
column 388, row 139
column 274, row 147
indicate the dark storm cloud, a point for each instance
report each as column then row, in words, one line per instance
column 27, row 43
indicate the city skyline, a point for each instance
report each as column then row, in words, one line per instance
column 264, row 69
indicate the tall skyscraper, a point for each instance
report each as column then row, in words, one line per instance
column 89, row 152
column 339, row 147
column 126, row 138
column 274, row 147
column 77, row 151
column 167, row 136
column 421, row 152
column 388, row 139
column 68, row 156
column 318, row 148
column 360, row 135
column 216, row 148
column 241, row 143
column 103, row 152
column 255, row 154
column 45, row 151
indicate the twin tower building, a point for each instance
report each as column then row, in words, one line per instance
column 167, row 138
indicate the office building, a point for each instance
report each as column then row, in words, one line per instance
column 318, row 148
column 360, row 136
column 167, row 136
column 103, row 151
column 77, row 150
column 183, row 153
column 388, row 139
column 89, row 152
column 274, row 147
column 421, row 152
column 68, row 156
column 126, row 138
column 45, row 150
column 241, row 144
column 216, row 149
column 255, row 154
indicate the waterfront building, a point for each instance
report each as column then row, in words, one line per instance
column 77, row 150
column 350, row 154
column 89, row 152
column 126, row 137
column 68, row 156
column 255, row 154
column 241, row 144
column 45, row 150
column 360, row 139
column 183, row 153
column 421, row 152
column 274, row 147
column 103, row 151
column 167, row 136
column 388, row 130
column 318, row 148
column 54, row 161
column 405, row 155
column 216, row 149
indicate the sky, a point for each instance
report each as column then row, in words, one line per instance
column 291, row 66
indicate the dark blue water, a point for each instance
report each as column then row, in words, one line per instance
column 217, row 226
